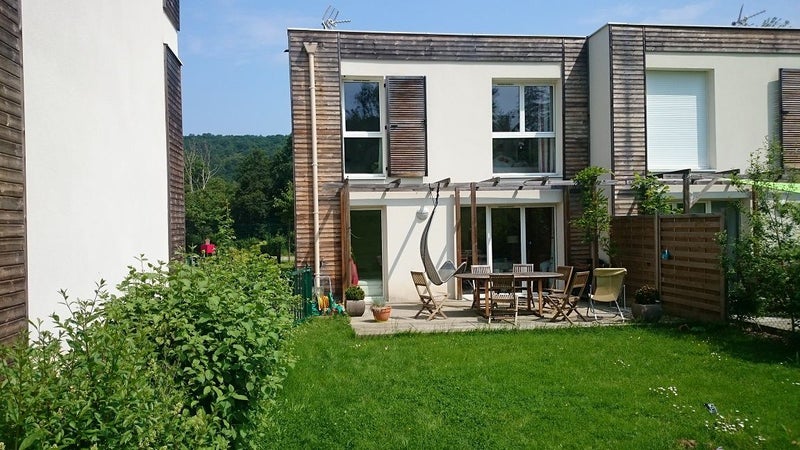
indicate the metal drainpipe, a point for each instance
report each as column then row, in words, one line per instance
column 311, row 48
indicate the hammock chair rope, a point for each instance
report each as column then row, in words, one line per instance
column 448, row 269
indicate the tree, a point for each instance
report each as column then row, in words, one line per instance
column 652, row 194
column 595, row 221
column 208, row 212
column 764, row 264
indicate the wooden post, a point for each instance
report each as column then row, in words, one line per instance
column 457, row 203
column 473, row 200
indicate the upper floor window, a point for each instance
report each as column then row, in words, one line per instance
column 677, row 120
column 523, row 132
column 363, row 125
column 385, row 127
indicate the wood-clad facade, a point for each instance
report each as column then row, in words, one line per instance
column 333, row 47
column 175, row 189
column 629, row 46
column 615, row 136
column 13, row 269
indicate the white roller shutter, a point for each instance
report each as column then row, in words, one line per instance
column 677, row 120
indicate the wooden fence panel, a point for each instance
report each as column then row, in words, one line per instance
column 691, row 279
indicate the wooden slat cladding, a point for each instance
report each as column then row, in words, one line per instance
column 790, row 117
column 722, row 40
column 575, row 107
column 13, row 265
column 329, row 149
column 441, row 47
column 407, row 125
column 175, row 188
column 172, row 8
column 578, row 252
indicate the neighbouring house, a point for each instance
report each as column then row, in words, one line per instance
column 379, row 119
column 91, row 151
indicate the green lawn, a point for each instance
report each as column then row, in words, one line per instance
column 613, row 387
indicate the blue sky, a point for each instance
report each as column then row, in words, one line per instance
column 236, row 75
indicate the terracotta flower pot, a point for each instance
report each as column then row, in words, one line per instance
column 381, row 314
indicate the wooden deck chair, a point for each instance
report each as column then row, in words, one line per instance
column 476, row 292
column 502, row 297
column 429, row 301
column 607, row 287
column 566, row 272
column 566, row 302
column 521, row 287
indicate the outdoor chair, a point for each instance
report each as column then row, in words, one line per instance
column 521, row 287
column 429, row 302
column 502, row 297
column 476, row 293
column 566, row 302
column 607, row 286
column 566, row 272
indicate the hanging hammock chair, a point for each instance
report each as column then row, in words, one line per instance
column 448, row 269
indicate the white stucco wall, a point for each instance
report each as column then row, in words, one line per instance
column 600, row 99
column 459, row 105
column 743, row 96
column 95, row 141
column 459, row 108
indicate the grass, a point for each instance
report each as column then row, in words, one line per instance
column 614, row 387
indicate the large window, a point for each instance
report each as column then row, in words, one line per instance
column 677, row 121
column 523, row 133
column 363, row 136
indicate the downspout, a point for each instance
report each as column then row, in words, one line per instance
column 311, row 48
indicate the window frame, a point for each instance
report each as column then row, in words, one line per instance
column 522, row 134
column 380, row 134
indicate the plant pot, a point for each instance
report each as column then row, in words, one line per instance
column 355, row 308
column 382, row 313
column 647, row 313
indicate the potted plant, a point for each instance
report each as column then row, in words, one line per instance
column 354, row 300
column 647, row 304
column 380, row 310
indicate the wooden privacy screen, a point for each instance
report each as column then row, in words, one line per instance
column 691, row 280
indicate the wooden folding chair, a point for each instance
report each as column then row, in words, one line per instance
column 476, row 292
column 566, row 302
column 429, row 302
column 522, row 286
column 566, row 272
column 502, row 297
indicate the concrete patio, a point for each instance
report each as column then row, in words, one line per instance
column 460, row 317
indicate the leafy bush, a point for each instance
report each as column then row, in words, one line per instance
column 647, row 295
column 223, row 324
column 180, row 359
column 93, row 384
column 354, row 292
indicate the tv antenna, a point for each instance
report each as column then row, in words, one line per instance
column 330, row 18
column 742, row 20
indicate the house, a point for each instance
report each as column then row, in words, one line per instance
column 91, row 148
column 380, row 119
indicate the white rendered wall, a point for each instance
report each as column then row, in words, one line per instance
column 600, row 99
column 459, row 131
column 459, row 105
column 95, row 142
column 743, row 96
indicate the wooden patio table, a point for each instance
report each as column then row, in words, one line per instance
column 483, row 278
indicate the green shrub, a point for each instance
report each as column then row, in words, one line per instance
column 93, row 384
column 223, row 323
column 184, row 357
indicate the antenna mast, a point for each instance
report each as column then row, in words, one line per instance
column 742, row 20
column 330, row 18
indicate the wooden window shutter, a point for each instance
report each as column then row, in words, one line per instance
column 407, row 126
column 790, row 117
